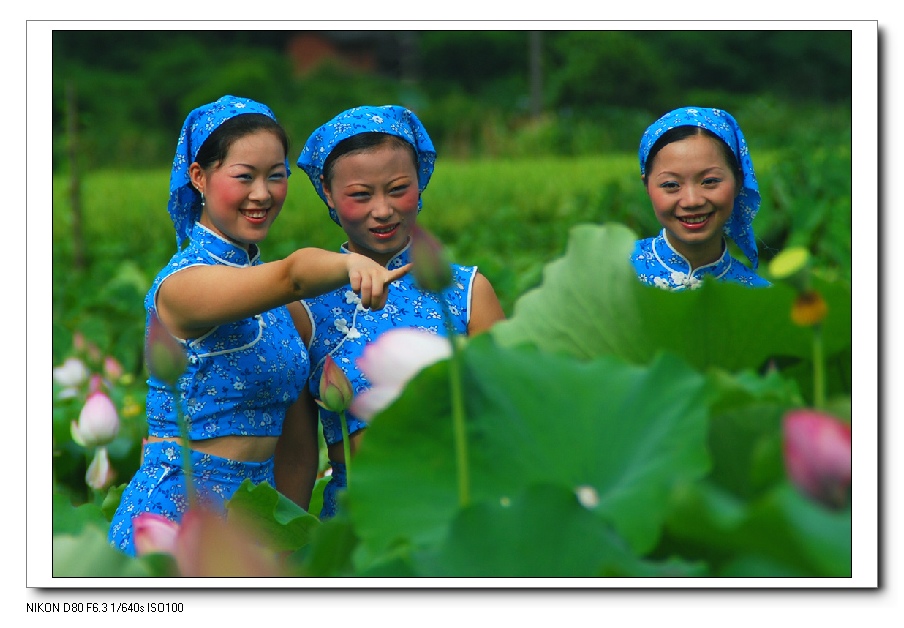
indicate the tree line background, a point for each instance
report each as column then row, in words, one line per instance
column 121, row 96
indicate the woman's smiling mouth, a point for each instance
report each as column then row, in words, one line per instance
column 385, row 232
column 696, row 221
column 254, row 214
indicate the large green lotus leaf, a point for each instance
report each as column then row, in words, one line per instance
column 590, row 303
column 543, row 533
column 89, row 554
column 329, row 553
column 282, row 523
column 401, row 483
column 72, row 519
column 782, row 529
column 745, row 429
column 627, row 432
column 788, row 527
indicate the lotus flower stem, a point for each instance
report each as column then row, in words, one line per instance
column 459, row 429
column 819, row 385
column 461, row 436
column 346, row 449
column 186, row 452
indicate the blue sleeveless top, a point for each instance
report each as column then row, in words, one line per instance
column 241, row 376
column 342, row 327
column 660, row 265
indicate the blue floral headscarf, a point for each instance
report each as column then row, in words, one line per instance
column 740, row 225
column 391, row 119
column 184, row 201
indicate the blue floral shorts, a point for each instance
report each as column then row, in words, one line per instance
column 159, row 487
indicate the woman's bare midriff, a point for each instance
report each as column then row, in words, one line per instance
column 244, row 448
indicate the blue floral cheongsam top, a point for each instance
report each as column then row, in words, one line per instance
column 241, row 376
column 342, row 327
column 660, row 265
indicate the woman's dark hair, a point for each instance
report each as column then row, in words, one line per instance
column 360, row 143
column 683, row 132
column 217, row 145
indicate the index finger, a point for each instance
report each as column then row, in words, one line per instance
column 399, row 272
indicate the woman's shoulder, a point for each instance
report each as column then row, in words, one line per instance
column 745, row 274
column 643, row 245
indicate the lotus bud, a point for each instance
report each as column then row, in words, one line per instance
column 98, row 422
column 113, row 369
column 430, row 267
column 154, row 534
column 335, row 390
column 96, row 383
column 817, row 451
column 99, row 475
column 71, row 374
column 166, row 358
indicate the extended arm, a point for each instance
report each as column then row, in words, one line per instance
column 200, row 297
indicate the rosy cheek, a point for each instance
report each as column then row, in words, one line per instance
column 351, row 211
column 279, row 192
column 408, row 201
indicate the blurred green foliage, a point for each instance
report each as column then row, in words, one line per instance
column 594, row 90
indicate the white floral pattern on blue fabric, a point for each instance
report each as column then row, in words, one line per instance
column 342, row 328
column 660, row 265
column 225, row 389
column 159, row 486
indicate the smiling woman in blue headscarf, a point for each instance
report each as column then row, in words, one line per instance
column 699, row 176
column 370, row 166
column 233, row 315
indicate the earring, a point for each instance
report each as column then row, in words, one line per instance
column 203, row 200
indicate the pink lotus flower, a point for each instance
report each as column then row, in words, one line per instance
column 99, row 475
column 817, row 450
column 335, row 390
column 207, row 545
column 98, row 422
column 429, row 265
column 391, row 361
column 154, row 534
column 165, row 356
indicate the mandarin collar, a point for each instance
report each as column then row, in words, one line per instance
column 223, row 250
column 396, row 261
